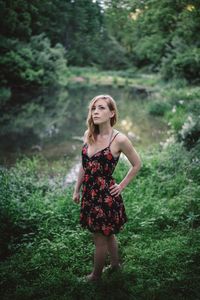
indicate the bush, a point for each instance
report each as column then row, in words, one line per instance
column 194, row 107
column 182, row 63
column 32, row 64
column 22, row 208
column 5, row 94
column 149, row 49
column 176, row 117
column 114, row 57
column 190, row 132
column 157, row 108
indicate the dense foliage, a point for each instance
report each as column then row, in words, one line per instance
column 36, row 63
column 158, row 34
column 111, row 34
column 180, row 107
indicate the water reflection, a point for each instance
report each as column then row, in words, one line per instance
column 53, row 123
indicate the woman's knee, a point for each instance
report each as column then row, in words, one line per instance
column 111, row 238
column 100, row 239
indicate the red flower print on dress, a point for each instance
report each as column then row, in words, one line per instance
column 100, row 200
column 100, row 214
column 117, row 219
column 90, row 164
column 109, row 200
column 89, row 220
column 84, row 150
column 86, row 177
column 109, row 156
column 95, row 167
column 102, row 182
column 106, row 168
column 93, row 193
column 106, row 230
column 112, row 182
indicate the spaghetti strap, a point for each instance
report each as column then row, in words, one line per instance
column 113, row 138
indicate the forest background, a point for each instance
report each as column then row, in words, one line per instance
column 155, row 44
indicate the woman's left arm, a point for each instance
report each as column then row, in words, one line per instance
column 127, row 148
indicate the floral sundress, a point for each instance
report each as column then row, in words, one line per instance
column 100, row 211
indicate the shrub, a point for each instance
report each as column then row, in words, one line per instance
column 190, row 132
column 34, row 63
column 5, row 94
column 157, row 108
column 182, row 64
column 115, row 55
column 176, row 117
column 149, row 49
column 21, row 192
column 194, row 107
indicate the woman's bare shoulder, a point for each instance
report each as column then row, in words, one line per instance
column 121, row 137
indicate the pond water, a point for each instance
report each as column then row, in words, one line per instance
column 53, row 123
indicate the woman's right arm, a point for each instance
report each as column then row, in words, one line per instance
column 81, row 173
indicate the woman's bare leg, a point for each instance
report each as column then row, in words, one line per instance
column 100, row 253
column 113, row 250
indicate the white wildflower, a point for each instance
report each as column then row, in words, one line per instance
column 168, row 141
column 187, row 126
column 190, row 119
column 174, row 109
column 181, row 101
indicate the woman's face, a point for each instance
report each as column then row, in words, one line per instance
column 100, row 112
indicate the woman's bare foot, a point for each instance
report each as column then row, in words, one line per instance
column 111, row 268
column 92, row 277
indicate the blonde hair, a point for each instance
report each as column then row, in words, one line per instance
column 93, row 129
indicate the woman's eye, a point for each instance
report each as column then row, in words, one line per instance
column 100, row 107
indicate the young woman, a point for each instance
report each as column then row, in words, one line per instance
column 102, row 209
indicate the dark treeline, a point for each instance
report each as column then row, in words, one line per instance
column 39, row 39
column 74, row 24
column 160, row 34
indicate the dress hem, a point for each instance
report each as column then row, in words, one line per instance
column 101, row 231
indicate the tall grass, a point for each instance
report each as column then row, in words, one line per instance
column 44, row 251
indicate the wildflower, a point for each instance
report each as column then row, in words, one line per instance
column 174, row 109
column 181, row 101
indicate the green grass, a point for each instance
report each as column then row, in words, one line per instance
column 44, row 250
